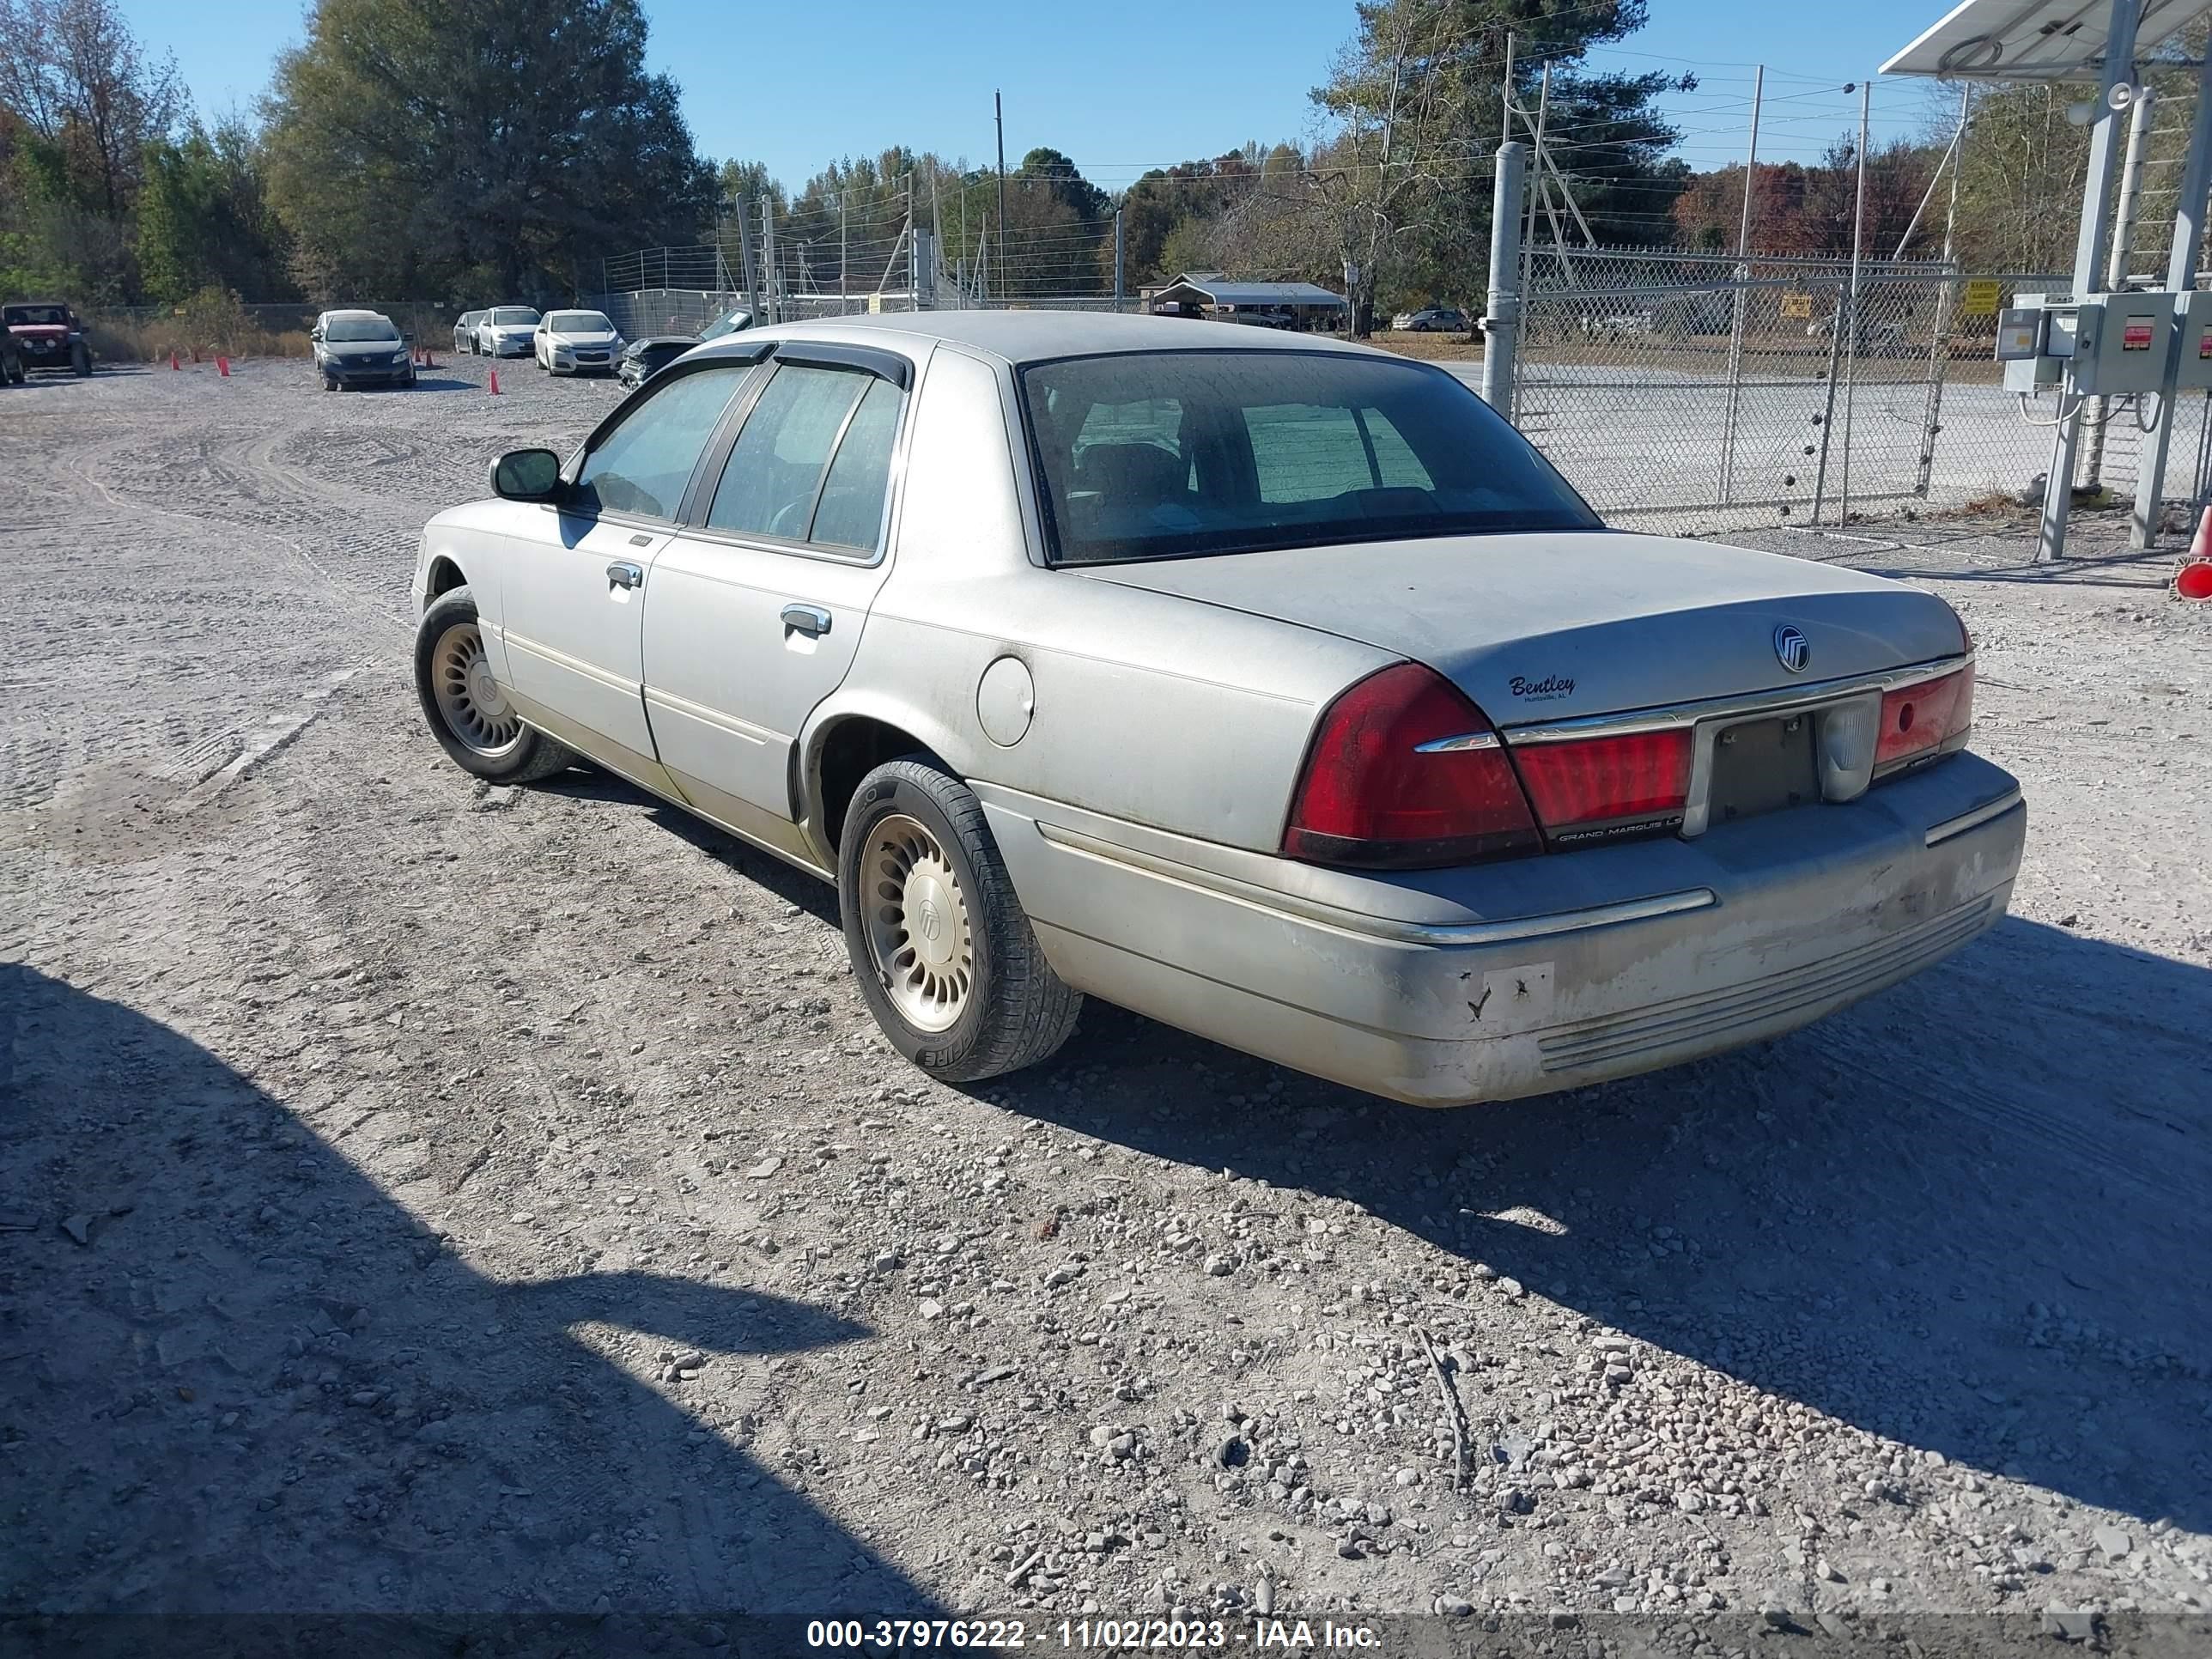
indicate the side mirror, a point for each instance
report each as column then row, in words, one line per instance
column 526, row 475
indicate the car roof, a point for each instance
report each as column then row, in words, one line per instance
column 353, row 311
column 1027, row 336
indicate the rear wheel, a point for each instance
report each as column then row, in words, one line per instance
column 468, row 711
column 943, row 952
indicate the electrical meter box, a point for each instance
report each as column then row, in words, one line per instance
column 2193, row 317
column 2035, row 335
column 2120, row 343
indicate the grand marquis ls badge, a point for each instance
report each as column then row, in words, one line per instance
column 1791, row 647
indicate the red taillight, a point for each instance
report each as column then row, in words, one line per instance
column 1918, row 719
column 1371, row 797
column 1607, row 785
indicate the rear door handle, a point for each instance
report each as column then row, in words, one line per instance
column 622, row 573
column 810, row 619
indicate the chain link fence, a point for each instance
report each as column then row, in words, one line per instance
column 1689, row 391
column 151, row 333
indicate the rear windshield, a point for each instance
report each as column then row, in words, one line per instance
column 579, row 322
column 1169, row 454
column 509, row 315
column 361, row 328
column 35, row 316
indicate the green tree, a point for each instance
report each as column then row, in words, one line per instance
column 202, row 220
column 1401, row 188
column 505, row 155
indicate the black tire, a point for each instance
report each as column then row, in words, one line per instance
column 330, row 383
column 81, row 359
column 1016, row 1011
column 533, row 755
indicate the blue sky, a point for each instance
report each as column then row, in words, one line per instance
column 1118, row 88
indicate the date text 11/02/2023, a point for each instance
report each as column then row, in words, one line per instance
column 1094, row 1635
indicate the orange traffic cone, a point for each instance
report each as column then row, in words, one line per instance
column 2193, row 579
column 173, row 360
column 222, row 366
column 494, row 383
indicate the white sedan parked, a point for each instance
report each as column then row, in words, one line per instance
column 577, row 342
column 506, row 330
column 1272, row 687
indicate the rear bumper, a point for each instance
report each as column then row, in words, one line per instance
column 1519, row 978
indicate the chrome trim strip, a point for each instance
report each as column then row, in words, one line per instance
column 1459, row 744
column 745, row 730
column 1975, row 820
column 1679, row 715
column 1291, row 908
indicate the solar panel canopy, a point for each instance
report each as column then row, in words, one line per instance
column 2034, row 39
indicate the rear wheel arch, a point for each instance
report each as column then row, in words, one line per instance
column 843, row 752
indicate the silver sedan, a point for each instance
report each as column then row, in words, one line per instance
column 1274, row 688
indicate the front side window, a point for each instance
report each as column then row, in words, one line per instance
column 643, row 464
column 813, row 461
column 1170, row 455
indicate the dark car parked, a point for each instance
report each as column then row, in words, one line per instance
column 48, row 334
column 643, row 359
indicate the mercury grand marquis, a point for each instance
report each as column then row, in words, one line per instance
column 1272, row 687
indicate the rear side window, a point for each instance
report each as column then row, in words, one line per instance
column 643, row 464
column 813, row 461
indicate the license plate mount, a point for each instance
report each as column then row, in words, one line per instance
column 1763, row 766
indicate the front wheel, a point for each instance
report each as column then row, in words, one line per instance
column 468, row 713
column 81, row 361
column 941, row 948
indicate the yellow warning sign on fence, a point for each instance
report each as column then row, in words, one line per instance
column 1797, row 306
column 1981, row 298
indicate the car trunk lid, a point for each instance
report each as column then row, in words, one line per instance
column 1547, row 626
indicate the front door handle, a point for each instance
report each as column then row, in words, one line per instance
column 622, row 573
column 810, row 619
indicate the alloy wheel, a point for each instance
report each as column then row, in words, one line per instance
column 918, row 928
column 475, row 711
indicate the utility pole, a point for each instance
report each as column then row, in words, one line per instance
column 2181, row 277
column 1118, row 252
column 2115, row 269
column 2089, row 247
column 999, row 115
column 1742, row 293
column 844, row 246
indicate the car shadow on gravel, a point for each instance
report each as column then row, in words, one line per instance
column 238, row 1377
column 1966, row 1215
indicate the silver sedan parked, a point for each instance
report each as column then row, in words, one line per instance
column 1274, row 688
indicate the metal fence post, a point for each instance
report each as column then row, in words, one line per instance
column 2180, row 276
column 1939, row 350
column 1501, row 327
column 771, row 276
column 1828, row 414
column 1858, row 243
column 745, row 260
column 1742, row 279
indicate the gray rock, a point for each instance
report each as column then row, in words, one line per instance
column 1775, row 1616
column 2070, row 1625
column 78, row 1227
column 1454, row 1606
column 1220, row 1266
column 1513, row 1289
column 2111, row 1540
column 767, row 1167
column 1263, row 1596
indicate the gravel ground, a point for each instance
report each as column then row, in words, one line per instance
column 416, row 1196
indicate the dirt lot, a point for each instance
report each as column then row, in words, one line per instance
column 417, row 1197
